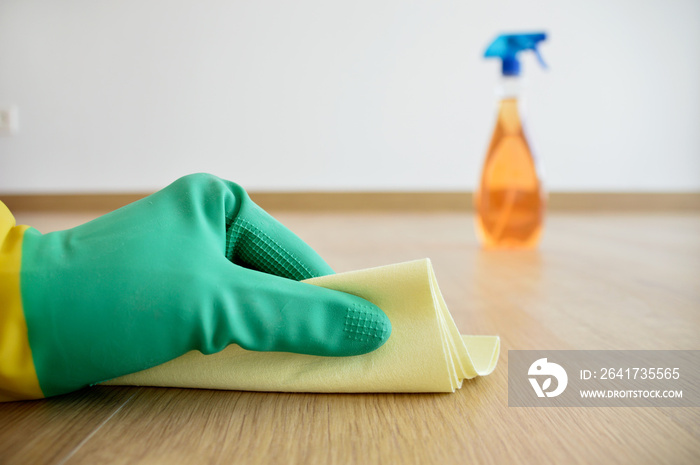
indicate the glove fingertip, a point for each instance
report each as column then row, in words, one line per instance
column 365, row 328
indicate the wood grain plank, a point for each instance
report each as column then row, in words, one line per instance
column 49, row 430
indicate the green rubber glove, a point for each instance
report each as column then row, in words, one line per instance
column 195, row 266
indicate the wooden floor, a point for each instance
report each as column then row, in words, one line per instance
column 607, row 281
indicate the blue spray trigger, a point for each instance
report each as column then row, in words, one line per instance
column 507, row 46
column 539, row 57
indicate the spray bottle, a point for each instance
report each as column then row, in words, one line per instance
column 510, row 202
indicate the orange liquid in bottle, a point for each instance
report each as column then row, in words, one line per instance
column 509, row 203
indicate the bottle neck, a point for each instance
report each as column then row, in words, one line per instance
column 509, row 92
column 509, row 87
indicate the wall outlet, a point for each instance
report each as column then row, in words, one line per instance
column 9, row 120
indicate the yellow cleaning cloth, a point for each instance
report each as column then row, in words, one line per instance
column 425, row 352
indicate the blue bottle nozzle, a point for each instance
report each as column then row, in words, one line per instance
column 507, row 46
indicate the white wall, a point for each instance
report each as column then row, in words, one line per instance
column 127, row 95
